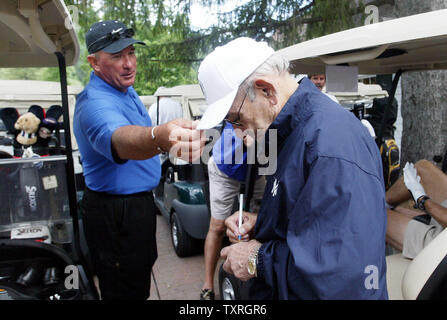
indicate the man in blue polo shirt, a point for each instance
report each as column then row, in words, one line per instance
column 320, row 231
column 119, row 151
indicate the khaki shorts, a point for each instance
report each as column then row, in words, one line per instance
column 418, row 235
column 224, row 191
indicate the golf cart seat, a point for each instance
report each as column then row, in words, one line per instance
column 424, row 277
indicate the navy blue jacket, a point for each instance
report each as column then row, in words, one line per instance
column 322, row 221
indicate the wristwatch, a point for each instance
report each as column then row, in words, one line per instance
column 253, row 261
column 421, row 202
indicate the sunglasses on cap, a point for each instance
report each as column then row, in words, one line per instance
column 111, row 37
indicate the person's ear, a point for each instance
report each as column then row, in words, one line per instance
column 267, row 90
column 91, row 58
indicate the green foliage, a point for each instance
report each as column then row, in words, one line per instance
column 44, row 74
column 286, row 22
column 329, row 16
column 155, row 23
column 161, row 65
column 174, row 50
column 277, row 22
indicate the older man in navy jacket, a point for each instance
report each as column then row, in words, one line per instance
column 320, row 232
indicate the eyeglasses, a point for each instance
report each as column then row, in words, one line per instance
column 111, row 37
column 235, row 121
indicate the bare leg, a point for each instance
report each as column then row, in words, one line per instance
column 397, row 193
column 395, row 231
column 407, row 212
column 213, row 245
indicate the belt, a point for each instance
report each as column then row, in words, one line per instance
column 111, row 195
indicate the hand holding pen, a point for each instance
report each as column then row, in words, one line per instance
column 243, row 232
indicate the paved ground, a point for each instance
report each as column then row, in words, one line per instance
column 176, row 278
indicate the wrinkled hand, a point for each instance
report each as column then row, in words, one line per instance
column 247, row 227
column 182, row 140
column 236, row 258
column 412, row 181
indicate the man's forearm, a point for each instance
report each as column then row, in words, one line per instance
column 134, row 143
column 438, row 212
column 178, row 137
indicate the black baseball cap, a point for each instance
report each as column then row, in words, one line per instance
column 110, row 36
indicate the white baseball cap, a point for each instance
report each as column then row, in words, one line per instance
column 223, row 71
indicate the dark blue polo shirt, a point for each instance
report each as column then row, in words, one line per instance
column 100, row 110
column 322, row 220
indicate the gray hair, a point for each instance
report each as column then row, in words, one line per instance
column 94, row 54
column 275, row 65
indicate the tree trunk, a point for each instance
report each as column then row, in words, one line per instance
column 424, row 105
column 424, row 99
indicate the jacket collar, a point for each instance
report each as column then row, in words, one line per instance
column 297, row 109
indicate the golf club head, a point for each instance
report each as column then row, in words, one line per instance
column 9, row 117
column 54, row 111
column 31, row 276
column 51, row 276
column 38, row 111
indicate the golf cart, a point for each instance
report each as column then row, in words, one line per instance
column 182, row 195
column 148, row 101
column 413, row 43
column 42, row 256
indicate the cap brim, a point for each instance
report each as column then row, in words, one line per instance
column 217, row 111
column 121, row 44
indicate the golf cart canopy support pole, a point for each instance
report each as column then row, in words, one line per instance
column 68, row 148
column 71, row 182
column 388, row 107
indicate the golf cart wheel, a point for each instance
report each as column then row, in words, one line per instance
column 183, row 243
column 228, row 286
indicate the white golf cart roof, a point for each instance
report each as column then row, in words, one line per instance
column 417, row 42
column 189, row 90
column 190, row 96
column 33, row 30
column 148, row 100
column 365, row 93
column 42, row 93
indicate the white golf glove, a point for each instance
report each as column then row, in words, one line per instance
column 412, row 181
